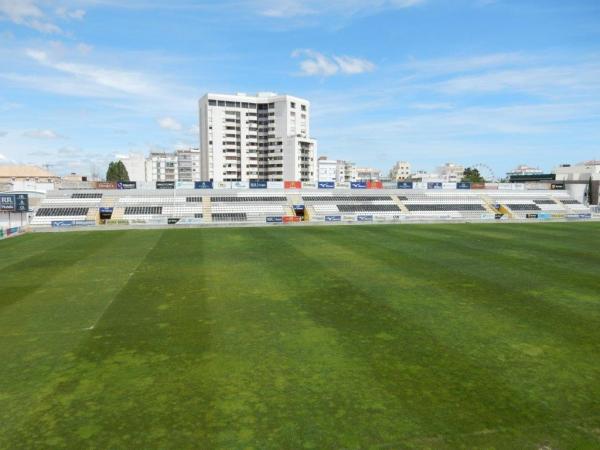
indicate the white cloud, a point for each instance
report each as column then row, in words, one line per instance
column 316, row 63
column 431, row 106
column 27, row 13
column 120, row 80
column 42, row 134
column 2, row 157
column 168, row 123
column 84, row 49
column 300, row 8
column 75, row 14
column 3, row 133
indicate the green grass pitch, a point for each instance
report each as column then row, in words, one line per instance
column 416, row 336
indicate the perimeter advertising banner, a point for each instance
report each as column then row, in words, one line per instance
column 358, row 185
column 405, row 185
column 184, row 185
column 258, row 184
column 126, row 185
column 326, row 184
column 579, row 216
column 364, row 218
column 239, row 184
column 531, row 216
column 463, row 185
column 374, row 185
column 477, row 185
column 333, row 218
column 448, row 185
column 288, row 219
column 292, row 184
column 63, row 223
column 434, row 185
column 190, row 221
column 203, row 185
column 274, row 219
column 165, row 185
column 106, row 185
column 274, row 184
column 557, row 187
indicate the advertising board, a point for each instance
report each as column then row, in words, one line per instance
column 358, row 185
column 106, row 185
column 434, row 185
column 85, row 223
column 374, row 185
column 165, row 185
column 463, row 185
column 190, row 221
column 274, row 184
column 203, row 185
column 274, row 219
column 62, row 223
column 126, row 185
column 404, row 185
column 326, row 184
column 333, row 218
column 185, row 185
column 258, row 184
column 292, row 184
column 362, row 218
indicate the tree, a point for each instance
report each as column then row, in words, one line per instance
column 472, row 175
column 117, row 172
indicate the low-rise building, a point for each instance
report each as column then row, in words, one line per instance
column 368, row 174
column 18, row 177
column 400, row 171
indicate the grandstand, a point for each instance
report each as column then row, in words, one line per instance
column 254, row 206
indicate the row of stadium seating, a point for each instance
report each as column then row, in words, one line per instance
column 160, row 206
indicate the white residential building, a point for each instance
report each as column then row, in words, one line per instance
column 524, row 169
column 400, row 171
column 451, row 173
column 262, row 137
column 188, row 165
column 336, row 170
column 368, row 174
column 161, row 166
column 135, row 164
column 328, row 169
column 346, row 171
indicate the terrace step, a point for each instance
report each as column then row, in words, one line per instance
column 206, row 209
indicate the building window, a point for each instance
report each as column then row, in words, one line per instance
column 221, row 103
column 292, row 105
column 212, row 102
column 303, row 107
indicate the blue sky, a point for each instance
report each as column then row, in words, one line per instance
column 428, row 81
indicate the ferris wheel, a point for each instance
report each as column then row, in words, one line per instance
column 486, row 172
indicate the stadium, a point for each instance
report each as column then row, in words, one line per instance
column 300, row 224
column 213, row 318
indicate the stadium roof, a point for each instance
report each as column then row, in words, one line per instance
column 20, row 171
